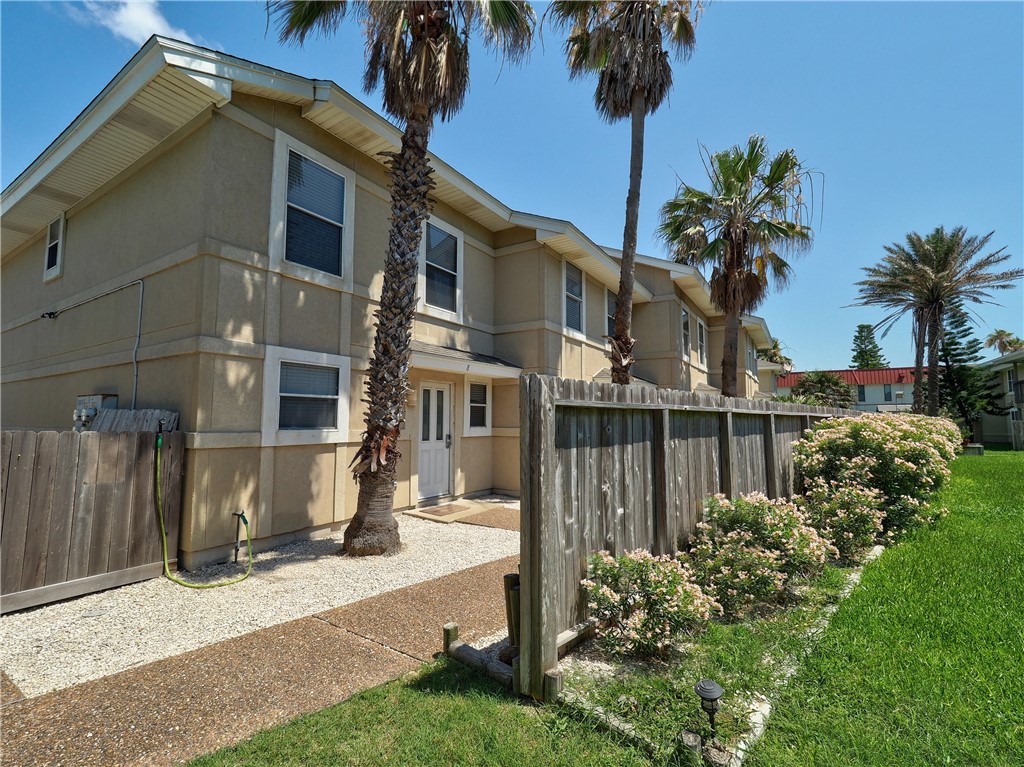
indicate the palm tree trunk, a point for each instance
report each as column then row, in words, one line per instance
column 919, row 343
column 622, row 344
column 373, row 529
column 934, row 346
column 730, row 350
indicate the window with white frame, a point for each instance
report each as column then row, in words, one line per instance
column 312, row 209
column 309, row 397
column 478, row 409
column 305, row 397
column 54, row 263
column 685, row 321
column 702, row 343
column 751, row 356
column 441, row 254
column 887, row 392
column 315, row 217
column 573, row 297
column 611, row 300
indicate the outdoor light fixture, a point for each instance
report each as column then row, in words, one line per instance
column 710, row 692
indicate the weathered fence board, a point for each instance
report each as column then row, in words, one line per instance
column 79, row 512
column 626, row 467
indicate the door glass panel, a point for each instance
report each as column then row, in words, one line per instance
column 425, row 434
column 439, row 435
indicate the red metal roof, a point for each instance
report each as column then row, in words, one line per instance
column 856, row 377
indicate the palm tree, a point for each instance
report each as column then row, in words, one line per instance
column 1004, row 341
column 419, row 52
column 925, row 277
column 740, row 230
column 624, row 44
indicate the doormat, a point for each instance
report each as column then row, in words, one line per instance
column 449, row 512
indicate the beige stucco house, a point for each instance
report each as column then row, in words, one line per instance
column 208, row 237
column 1009, row 371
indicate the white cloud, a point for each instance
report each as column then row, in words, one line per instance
column 134, row 20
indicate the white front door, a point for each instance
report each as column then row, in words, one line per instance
column 435, row 440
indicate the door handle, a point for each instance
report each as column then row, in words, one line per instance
column 448, row 441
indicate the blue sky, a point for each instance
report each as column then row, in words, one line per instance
column 912, row 112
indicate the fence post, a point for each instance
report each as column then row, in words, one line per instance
column 665, row 532
column 771, row 464
column 726, row 453
column 538, row 598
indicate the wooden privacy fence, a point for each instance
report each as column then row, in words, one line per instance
column 626, row 467
column 79, row 512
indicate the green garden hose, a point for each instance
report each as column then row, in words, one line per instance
column 163, row 534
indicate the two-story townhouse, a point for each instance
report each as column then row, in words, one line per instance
column 208, row 237
column 876, row 390
column 1009, row 428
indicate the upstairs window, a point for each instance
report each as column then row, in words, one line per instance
column 861, row 393
column 685, row 321
column 573, row 297
column 53, row 265
column 702, row 343
column 315, row 222
column 309, row 397
column 611, row 300
column 442, row 269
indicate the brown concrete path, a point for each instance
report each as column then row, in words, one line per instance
column 175, row 709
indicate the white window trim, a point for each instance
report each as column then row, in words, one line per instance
column 283, row 144
column 702, row 329
column 421, row 280
column 614, row 297
column 271, row 435
column 477, row 431
column 58, row 269
column 572, row 332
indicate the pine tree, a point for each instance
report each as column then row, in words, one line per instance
column 866, row 351
column 966, row 390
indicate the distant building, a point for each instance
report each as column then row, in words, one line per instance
column 1000, row 428
column 876, row 390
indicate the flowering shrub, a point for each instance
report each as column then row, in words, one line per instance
column 644, row 600
column 848, row 514
column 735, row 570
column 778, row 526
column 905, row 457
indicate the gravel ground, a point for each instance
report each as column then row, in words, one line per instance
column 53, row 647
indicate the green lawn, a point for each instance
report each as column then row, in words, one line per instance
column 924, row 664
column 445, row 715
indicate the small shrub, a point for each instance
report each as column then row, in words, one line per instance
column 847, row 514
column 645, row 601
column 735, row 570
column 778, row 525
column 905, row 457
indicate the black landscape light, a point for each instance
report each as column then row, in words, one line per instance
column 710, row 692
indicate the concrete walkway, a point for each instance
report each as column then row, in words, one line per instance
column 173, row 710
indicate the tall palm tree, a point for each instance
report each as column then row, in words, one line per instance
column 419, row 52
column 740, row 231
column 1003, row 341
column 624, row 44
column 925, row 277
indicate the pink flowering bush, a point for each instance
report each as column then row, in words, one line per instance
column 846, row 513
column 643, row 601
column 735, row 570
column 776, row 525
column 904, row 457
